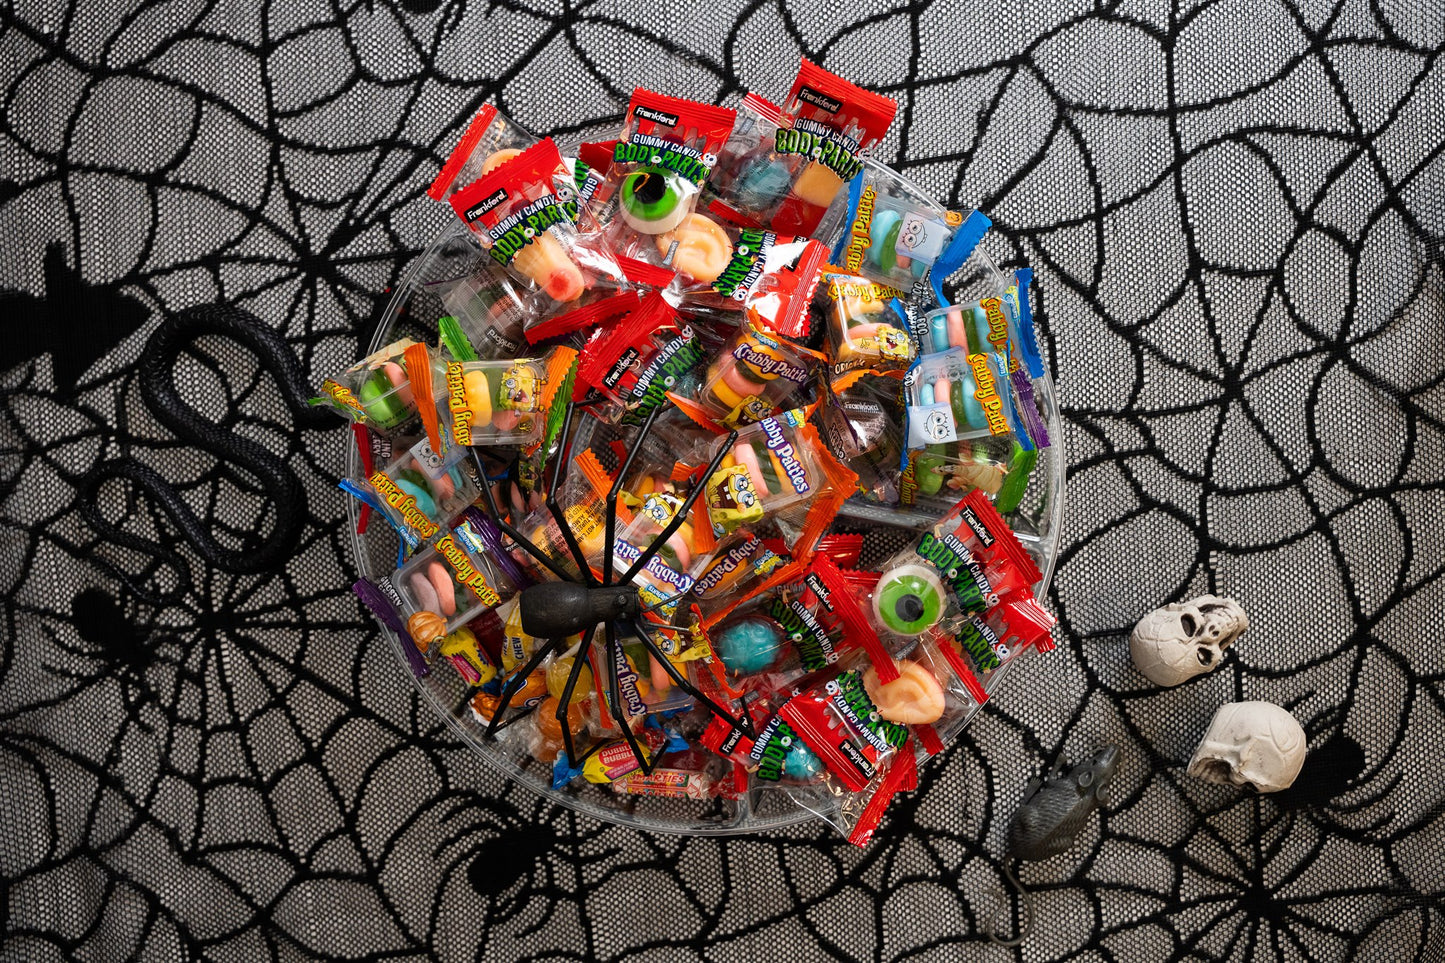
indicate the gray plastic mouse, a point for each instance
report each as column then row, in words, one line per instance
column 1053, row 812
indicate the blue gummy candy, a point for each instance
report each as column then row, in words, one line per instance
column 763, row 183
column 748, row 646
column 801, row 763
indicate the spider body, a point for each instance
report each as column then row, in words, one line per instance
column 587, row 605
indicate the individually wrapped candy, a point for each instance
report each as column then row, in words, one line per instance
column 861, row 416
column 488, row 309
column 981, row 647
column 956, row 396
column 660, row 163
column 441, row 592
column 490, row 140
column 757, row 257
column 525, row 214
column 642, row 357
column 778, row 472
column 801, row 621
column 839, row 722
column 961, row 567
column 891, row 234
column 867, row 323
column 420, row 492
column 788, row 164
column 376, row 391
column 492, row 403
column 756, row 374
column 740, row 562
column 774, row 756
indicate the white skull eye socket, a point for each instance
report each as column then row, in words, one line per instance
column 1187, row 623
column 1206, row 656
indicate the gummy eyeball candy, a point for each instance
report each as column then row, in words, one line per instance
column 749, row 645
column 650, row 202
column 909, row 600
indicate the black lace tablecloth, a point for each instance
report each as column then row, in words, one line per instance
column 1236, row 216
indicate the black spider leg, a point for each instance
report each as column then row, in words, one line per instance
column 563, row 450
column 742, row 723
column 616, row 489
column 522, row 541
column 580, row 659
column 679, row 516
column 619, row 712
column 510, row 687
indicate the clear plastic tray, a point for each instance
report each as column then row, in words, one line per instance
column 414, row 309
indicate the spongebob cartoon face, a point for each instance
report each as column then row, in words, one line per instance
column 660, row 508
column 892, row 343
column 731, row 499
column 912, row 235
column 520, row 386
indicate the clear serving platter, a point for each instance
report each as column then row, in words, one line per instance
column 414, row 311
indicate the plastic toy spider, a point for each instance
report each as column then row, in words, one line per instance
column 556, row 611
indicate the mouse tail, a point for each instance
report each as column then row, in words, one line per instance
column 1026, row 903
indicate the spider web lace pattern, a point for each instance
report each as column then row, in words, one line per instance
column 1236, row 215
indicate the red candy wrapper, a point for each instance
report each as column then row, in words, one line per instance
column 525, row 214
column 490, row 140
column 659, row 166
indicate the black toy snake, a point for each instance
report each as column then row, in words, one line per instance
column 161, row 395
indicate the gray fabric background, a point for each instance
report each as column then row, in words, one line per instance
column 1235, row 214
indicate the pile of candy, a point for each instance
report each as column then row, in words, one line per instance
column 686, row 364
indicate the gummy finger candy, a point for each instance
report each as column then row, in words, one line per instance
column 524, row 212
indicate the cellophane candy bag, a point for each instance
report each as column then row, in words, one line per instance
column 490, row 140
column 791, row 163
column 860, row 416
column 867, row 323
column 659, row 166
column 525, row 214
column 488, row 308
column 755, row 374
column 645, row 355
column 778, row 476
column 980, row 648
column 491, row 403
column 437, row 598
column 801, row 621
column 963, row 566
column 890, row 233
column 376, row 391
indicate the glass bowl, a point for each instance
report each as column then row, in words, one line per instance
column 413, row 311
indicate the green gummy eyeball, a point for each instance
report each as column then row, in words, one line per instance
column 651, row 201
column 908, row 600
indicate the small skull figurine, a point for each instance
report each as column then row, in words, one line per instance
column 1257, row 745
column 1185, row 639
